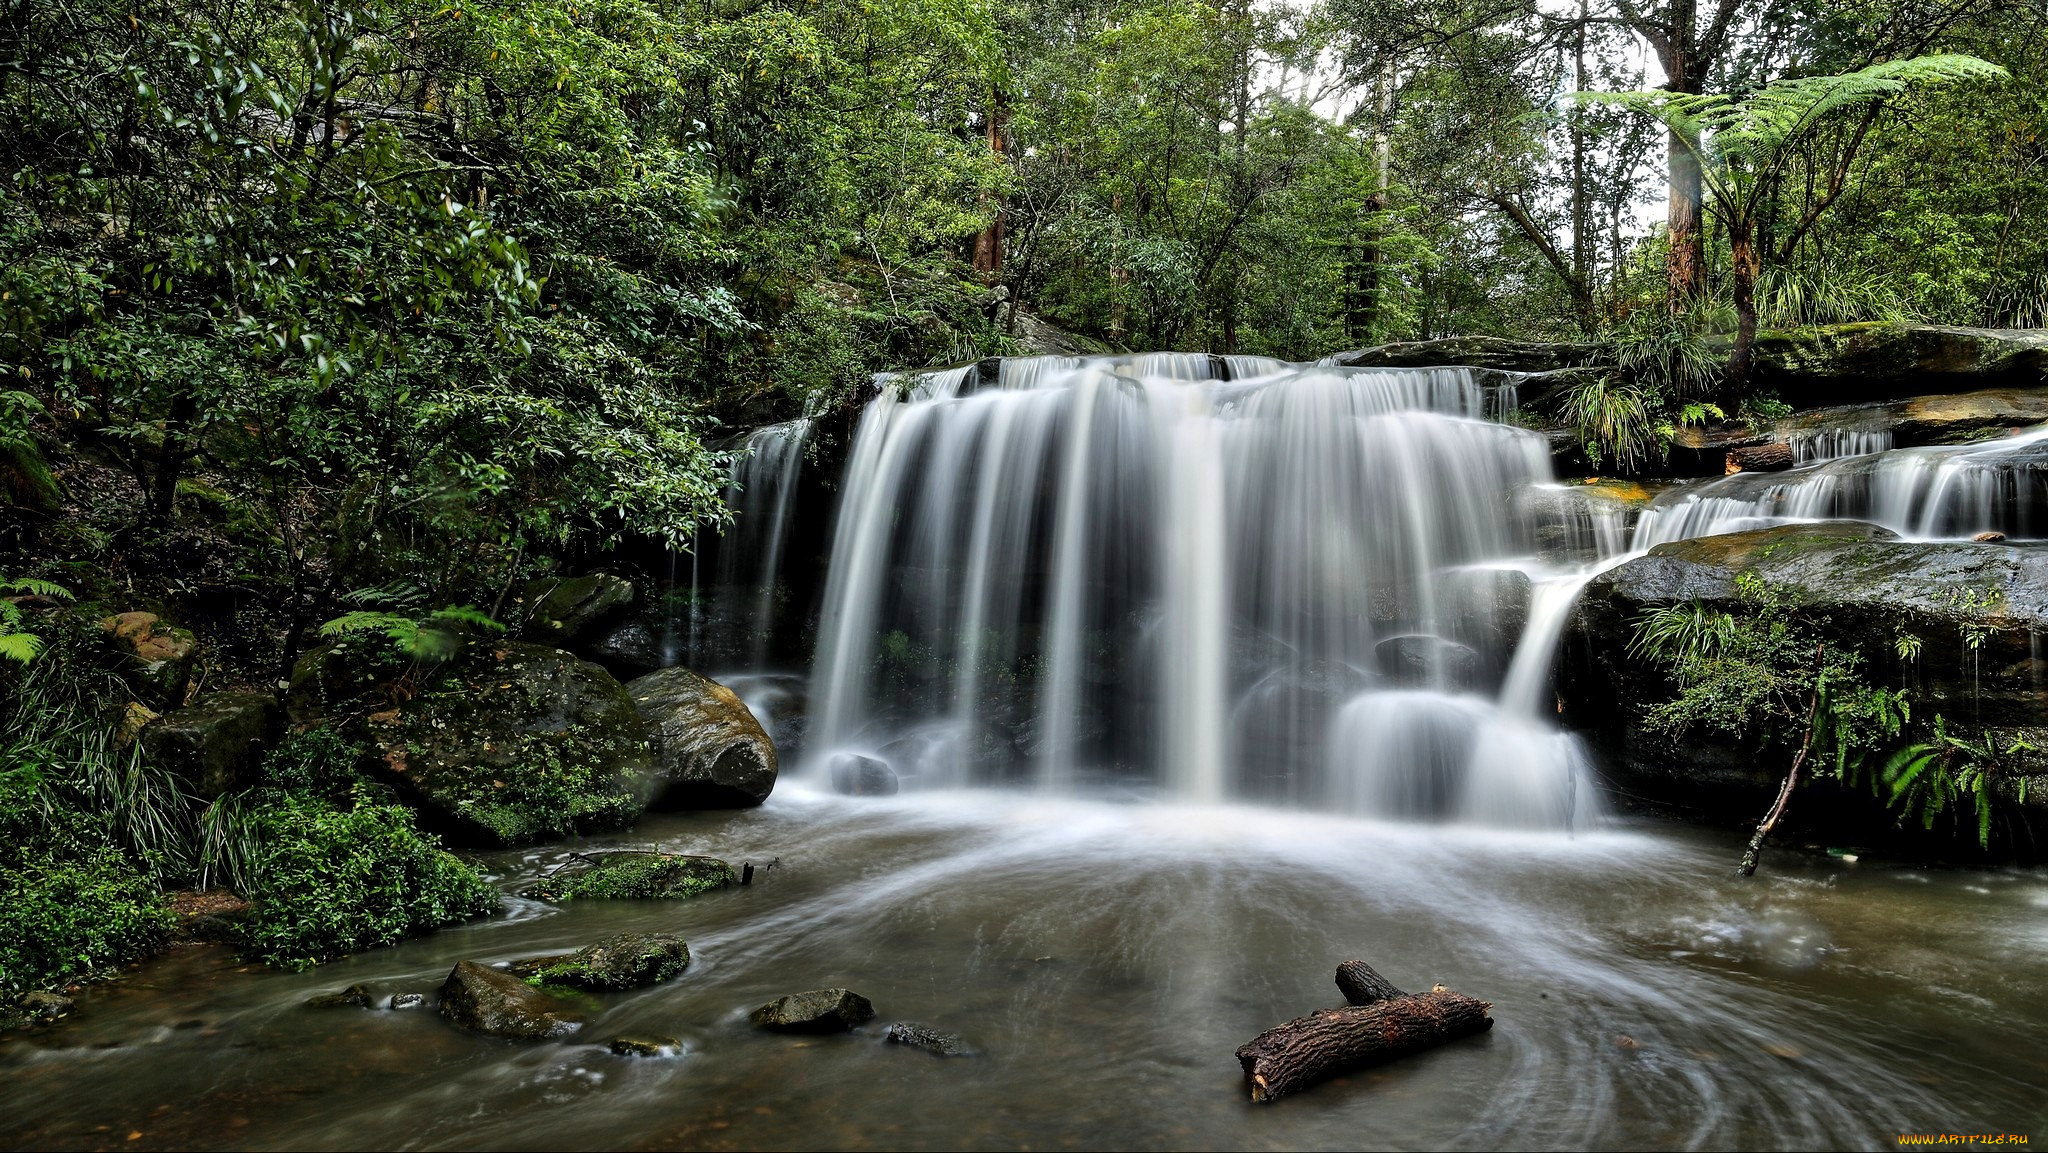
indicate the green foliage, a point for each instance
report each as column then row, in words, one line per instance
column 1615, row 421
column 1947, row 777
column 330, row 878
column 70, row 913
column 1762, row 674
column 1671, row 351
column 17, row 644
column 428, row 640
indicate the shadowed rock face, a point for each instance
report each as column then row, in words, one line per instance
column 569, row 612
column 709, row 750
column 488, row 1001
column 216, row 743
column 1976, row 610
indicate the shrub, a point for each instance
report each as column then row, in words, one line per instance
column 329, row 879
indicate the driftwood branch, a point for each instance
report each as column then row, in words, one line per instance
column 1770, row 821
column 1381, row 1023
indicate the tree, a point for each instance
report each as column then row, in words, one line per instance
column 1743, row 144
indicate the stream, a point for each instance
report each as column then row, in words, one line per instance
column 1104, row 959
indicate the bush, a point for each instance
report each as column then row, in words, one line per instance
column 329, row 879
column 63, row 917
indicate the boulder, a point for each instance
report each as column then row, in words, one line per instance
column 1971, row 610
column 637, row 876
column 488, row 1001
column 818, row 1011
column 625, row 961
column 506, row 744
column 859, row 776
column 933, row 1041
column 567, row 611
column 409, row 1001
column 709, row 751
column 155, row 655
column 216, row 743
column 629, row 648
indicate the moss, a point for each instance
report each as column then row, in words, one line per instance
column 626, row 961
column 639, row 876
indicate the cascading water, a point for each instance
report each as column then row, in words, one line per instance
column 1835, row 443
column 1947, row 492
column 760, row 493
column 1127, row 573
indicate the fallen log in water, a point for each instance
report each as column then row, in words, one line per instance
column 1381, row 1023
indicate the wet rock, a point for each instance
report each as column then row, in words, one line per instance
column 1972, row 612
column 155, row 655
column 353, row 997
column 566, row 612
column 637, row 876
column 507, row 744
column 859, row 776
column 644, row 1046
column 216, row 743
column 409, row 1001
column 500, row 1004
column 1473, row 352
column 1418, row 659
column 630, row 648
column 625, row 961
column 930, row 1040
column 709, row 750
column 38, row 1007
column 818, row 1011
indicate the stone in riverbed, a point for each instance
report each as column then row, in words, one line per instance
column 638, row 876
column 409, row 1001
column 487, row 1001
column 933, row 1041
column 859, row 776
column 644, row 1046
column 818, row 1011
column 625, row 961
column 37, row 1007
column 710, row 752
column 353, row 997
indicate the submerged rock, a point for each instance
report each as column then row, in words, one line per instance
column 644, row 1046
column 37, row 1007
column 488, row 1001
column 507, row 744
column 709, row 750
column 409, row 1001
column 859, row 776
column 625, row 961
column 638, row 876
column 818, row 1011
column 216, row 743
column 353, row 997
column 568, row 611
column 930, row 1040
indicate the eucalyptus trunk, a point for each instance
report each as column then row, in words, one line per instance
column 1747, row 265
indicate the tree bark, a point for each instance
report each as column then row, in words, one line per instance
column 988, row 243
column 1746, row 267
column 1381, row 1024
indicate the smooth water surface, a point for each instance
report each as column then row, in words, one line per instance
column 1105, row 959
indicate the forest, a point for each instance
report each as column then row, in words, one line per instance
column 345, row 343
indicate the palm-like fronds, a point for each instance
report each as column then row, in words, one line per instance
column 1740, row 140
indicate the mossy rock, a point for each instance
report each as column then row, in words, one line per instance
column 155, row 656
column 507, row 744
column 488, row 1001
column 215, row 744
column 568, row 611
column 638, row 876
column 625, row 961
column 817, row 1011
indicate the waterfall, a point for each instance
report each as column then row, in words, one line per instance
column 1203, row 578
column 1949, row 492
column 1836, row 443
column 760, row 494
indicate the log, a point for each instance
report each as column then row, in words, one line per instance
column 1380, row 1024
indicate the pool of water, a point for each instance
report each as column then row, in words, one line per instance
column 1104, row 960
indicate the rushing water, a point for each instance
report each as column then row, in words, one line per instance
column 1104, row 961
column 1098, row 573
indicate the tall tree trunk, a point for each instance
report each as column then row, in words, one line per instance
column 1582, row 212
column 170, row 458
column 988, row 243
column 1685, row 264
column 1746, row 266
column 1363, row 318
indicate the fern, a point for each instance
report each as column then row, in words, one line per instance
column 427, row 640
column 1947, row 777
column 17, row 644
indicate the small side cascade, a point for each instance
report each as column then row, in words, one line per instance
column 1950, row 492
column 760, row 494
column 1817, row 445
